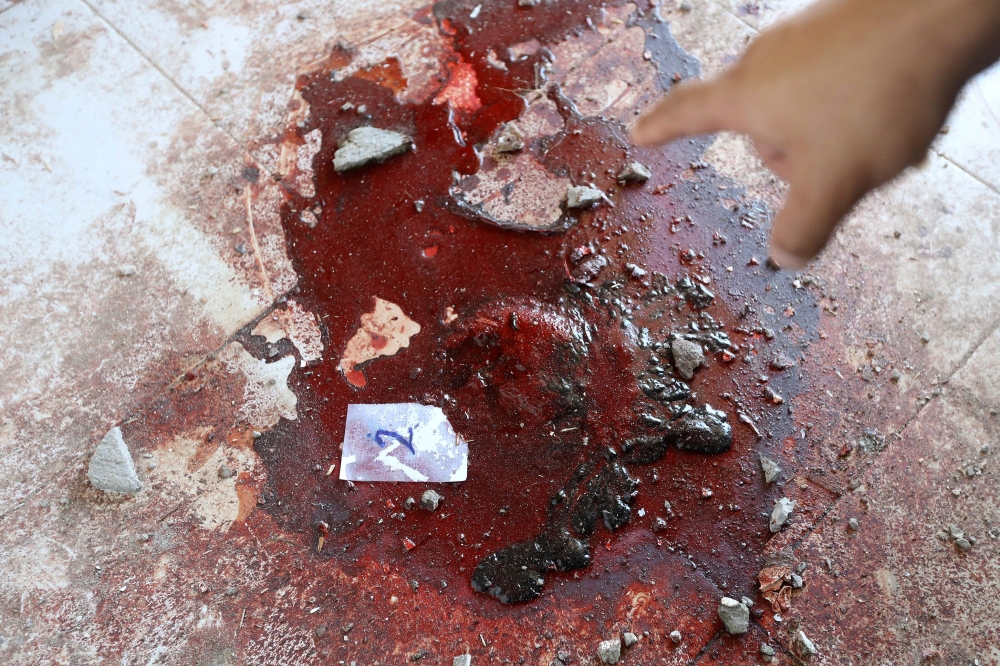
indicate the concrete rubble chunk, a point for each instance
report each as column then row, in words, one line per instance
column 634, row 173
column 734, row 615
column 511, row 139
column 610, row 651
column 782, row 511
column 430, row 500
column 462, row 660
column 688, row 356
column 111, row 467
column 365, row 145
column 629, row 639
column 676, row 637
column 803, row 646
column 582, row 197
column 770, row 468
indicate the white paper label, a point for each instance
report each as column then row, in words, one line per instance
column 402, row 442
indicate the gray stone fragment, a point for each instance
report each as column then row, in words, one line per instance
column 963, row 544
column 734, row 615
column 462, row 660
column 781, row 362
column 852, row 524
column 955, row 531
column 226, row 472
column 782, row 511
column 111, row 467
column 803, row 646
column 629, row 639
column 634, row 173
column 582, row 197
column 676, row 637
column 610, row 651
column 511, row 139
column 365, row 145
column 528, row 3
column 430, row 500
column 688, row 356
column 767, row 650
column 410, row 504
column 771, row 469
column 797, row 581
column 746, row 601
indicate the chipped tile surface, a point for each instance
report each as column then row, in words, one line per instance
column 972, row 140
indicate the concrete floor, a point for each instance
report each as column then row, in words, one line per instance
column 134, row 249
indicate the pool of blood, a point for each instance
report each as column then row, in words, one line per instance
column 526, row 435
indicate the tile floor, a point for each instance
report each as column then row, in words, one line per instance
column 135, row 242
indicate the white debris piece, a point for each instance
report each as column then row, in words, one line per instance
column 365, row 145
column 782, row 511
column 688, row 356
column 462, row 660
column 610, row 651
column 734, row 615
column 803, row 646
column 770, row 468
column 511, row 139
column 634, row 173
column 582, row 197
column 111, row 467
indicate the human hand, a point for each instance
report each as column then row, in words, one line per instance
column 838, row 100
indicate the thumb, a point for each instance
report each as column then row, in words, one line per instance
column 697, row 107
column 809, row 217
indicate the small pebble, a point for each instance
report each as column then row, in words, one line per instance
column 676, row 637
column 610, row 651
column 852, row 524
column 430, row 500
column 629, row 639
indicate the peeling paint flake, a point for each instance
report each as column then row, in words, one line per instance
column 298, row 325
column 383, row 332
column 266, row 396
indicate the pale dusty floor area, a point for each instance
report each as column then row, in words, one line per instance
column 132, row 247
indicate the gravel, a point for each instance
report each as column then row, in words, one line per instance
column 688, row 356
column 430, row 500
column 111, row 467
column 771, row 469
column 634, row 173
column 610, row 651
column 781, row 513
column 734, row 615
column 582, row 197
column 367, row 145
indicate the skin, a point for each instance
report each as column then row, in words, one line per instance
column 838, row 100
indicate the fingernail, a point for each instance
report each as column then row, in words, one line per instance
column 786, row 259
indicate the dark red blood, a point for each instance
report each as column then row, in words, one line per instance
column 371, row 242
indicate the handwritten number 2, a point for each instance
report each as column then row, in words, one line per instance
column 408, row 443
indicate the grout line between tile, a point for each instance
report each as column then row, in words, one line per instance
column 988, row 185
column 162, row 73
column 898, row 433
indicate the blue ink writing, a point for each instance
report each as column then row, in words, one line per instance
column 408, row 443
